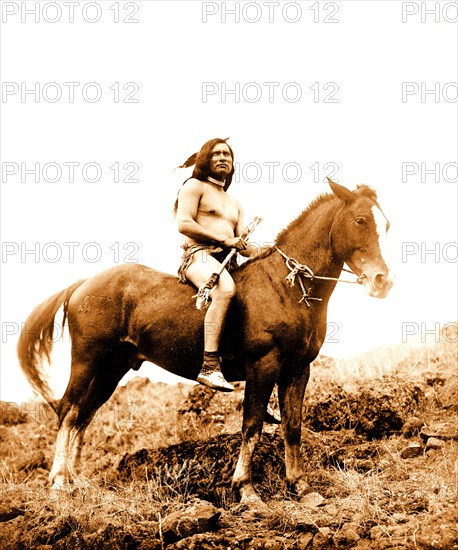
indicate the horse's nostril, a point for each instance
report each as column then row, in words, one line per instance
column 380, row 280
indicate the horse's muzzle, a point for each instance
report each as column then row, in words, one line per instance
column 378, row 284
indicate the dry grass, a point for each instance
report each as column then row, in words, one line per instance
column 408, row 362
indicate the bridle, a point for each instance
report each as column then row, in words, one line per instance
column 302, row 270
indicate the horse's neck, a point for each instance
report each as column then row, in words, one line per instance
column 307, row 240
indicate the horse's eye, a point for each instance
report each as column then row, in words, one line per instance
column 360, row 221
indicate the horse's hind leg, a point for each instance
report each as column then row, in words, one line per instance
column 90, row 386
column 59, row 475
column 80, row 379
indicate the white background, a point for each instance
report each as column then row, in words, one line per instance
column 365, row 48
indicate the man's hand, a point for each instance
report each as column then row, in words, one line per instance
column 252, row 250
column 236, row 242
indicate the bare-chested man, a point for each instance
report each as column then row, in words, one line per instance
column 212, row 223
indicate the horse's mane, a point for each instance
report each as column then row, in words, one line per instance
column 361, row 190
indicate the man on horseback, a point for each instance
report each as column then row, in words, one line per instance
column 212, row 224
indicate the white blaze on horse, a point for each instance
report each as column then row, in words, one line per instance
column 131, row 313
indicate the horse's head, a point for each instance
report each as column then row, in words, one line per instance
column 358, row 237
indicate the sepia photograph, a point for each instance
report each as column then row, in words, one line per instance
column 228, row 274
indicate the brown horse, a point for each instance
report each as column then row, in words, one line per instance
column 131, row 313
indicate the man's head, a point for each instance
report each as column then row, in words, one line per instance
column 215, row 159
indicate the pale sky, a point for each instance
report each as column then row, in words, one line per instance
column 348, row 89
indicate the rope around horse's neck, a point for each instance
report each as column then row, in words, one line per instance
column 302, row 270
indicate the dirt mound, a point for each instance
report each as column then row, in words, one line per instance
column 206, row 413
column 205, row 468
column 375, row 412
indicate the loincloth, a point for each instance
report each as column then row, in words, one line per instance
column 218, row 252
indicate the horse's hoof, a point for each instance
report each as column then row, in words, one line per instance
column 60, row 484
column 255, row 507
column 250, row 497
column 299, row 489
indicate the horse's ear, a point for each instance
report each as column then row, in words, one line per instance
column 340, row 191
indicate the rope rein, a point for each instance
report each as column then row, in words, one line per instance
column 303, row 271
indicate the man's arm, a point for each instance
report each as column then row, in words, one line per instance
column 188, row 206
column 251, row 249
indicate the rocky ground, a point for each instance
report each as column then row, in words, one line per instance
column 380, row 452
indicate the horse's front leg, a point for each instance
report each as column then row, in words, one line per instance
column 291, row 389
column 261, row 378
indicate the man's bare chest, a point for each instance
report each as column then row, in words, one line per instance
column 219, row 205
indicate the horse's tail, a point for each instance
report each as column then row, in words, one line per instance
column 36, row 341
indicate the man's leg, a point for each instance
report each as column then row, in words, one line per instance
column 202, row 267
